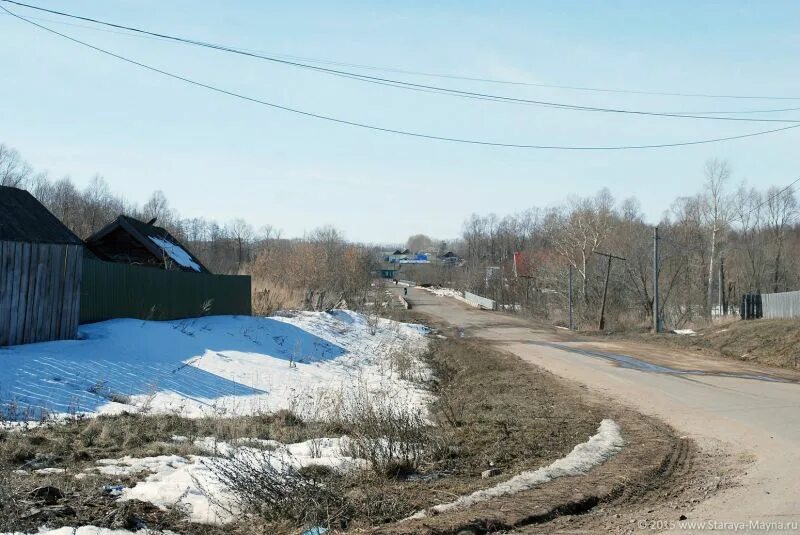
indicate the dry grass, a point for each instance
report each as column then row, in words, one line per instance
column 268, row 298
column 80, row 441
column 769, row 342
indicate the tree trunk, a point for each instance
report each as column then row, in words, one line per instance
column 710, row 288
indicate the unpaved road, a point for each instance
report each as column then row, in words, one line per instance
column 755, row 420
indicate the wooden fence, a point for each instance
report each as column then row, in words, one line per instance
column 39, row 291
column 111, row 290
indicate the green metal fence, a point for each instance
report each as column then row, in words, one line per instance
column 110, row 290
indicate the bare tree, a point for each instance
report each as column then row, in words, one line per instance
column 242, row 233
column 579, row 229
column 14, row 171
column 157, row 206
column 748, row 213
column 781, row 213
column 716, row 210
column 419, row 242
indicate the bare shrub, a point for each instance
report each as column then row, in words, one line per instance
column 317, row 272
column 406, row 365
column 394, row 438
column 10, row 509
column 274, row 489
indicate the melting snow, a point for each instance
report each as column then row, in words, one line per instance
column 687, row 332
column 189, row 481
column 446, row 292
column 601, row 446
column 176, row 253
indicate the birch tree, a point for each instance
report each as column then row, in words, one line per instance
column 716, row 209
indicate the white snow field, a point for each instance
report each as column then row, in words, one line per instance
column 583, row 457
column 217, row 365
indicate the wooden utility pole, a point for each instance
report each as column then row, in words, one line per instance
column 605, row 288
column 571, row 324
column 656, row 310
column 723, row 304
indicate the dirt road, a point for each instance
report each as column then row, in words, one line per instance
column 751, row 414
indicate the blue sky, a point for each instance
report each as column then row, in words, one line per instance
column 75, row 112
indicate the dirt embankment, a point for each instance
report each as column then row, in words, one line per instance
column 766, row 342
column 539, row 412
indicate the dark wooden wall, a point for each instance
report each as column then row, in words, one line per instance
column 39, row 291
column 119, row 246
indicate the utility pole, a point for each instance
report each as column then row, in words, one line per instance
column 656, row 318
column 571, row 324
column 723, row 305
column 605, row 288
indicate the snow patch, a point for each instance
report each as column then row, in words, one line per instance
column 177, row 253
column 190, row 483
column 685, row 332
column 446, row 292
column 601, row 446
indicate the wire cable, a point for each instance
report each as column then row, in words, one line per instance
column 773, row 196
column 413, row 73
column 386, row 129
column 407, row 85
column 488, row 80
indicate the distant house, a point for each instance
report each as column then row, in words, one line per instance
column 389, row 271
column 449, row 258
column 40, row 272
column 129, row 241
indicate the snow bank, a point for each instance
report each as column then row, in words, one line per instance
column 601, row 446
column 218, row 366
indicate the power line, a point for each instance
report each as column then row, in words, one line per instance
column 385, row 129
column 771, row 197
column 417, row 73
column 400, row 84
column 473, row 78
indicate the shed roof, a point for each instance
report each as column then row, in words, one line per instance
column 24, row 219
column 155, row 239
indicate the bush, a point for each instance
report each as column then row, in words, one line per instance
column 394, row 438
column 273, row 488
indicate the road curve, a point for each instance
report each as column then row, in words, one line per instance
column 736, row 407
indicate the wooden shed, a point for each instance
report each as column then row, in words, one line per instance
column 127, row 240
column 40, row 272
